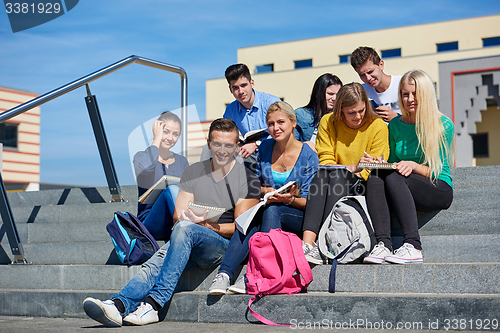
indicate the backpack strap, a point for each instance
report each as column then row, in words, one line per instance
column 300, row 260
column 333, row 272
column 258, row 316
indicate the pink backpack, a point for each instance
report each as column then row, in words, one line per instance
column 273, row 261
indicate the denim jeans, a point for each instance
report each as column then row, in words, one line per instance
column 159, row 220
column 190, row 246
column 274, row 216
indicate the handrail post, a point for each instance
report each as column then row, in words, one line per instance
column 10, row 226
column 184, row 115
column 103, row 146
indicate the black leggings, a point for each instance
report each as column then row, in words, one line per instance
column 405, row 195
column 327, row 187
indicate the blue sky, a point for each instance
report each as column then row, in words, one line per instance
column 200, row 36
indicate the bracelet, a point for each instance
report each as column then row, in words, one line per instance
column 291, row 202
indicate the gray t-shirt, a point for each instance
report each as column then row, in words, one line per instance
column 239, row 183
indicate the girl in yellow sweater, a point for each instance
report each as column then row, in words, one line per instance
column 352, row 133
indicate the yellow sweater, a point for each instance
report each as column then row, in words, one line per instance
column 338, row 144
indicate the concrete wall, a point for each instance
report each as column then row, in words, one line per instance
column 463, row 98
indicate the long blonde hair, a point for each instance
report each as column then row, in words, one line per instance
column 428, row 125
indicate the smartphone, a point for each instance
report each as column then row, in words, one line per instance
column 374, row 104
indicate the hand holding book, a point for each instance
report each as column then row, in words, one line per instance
column 243, row 221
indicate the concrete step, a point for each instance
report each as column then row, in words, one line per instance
column 312, row 309
column 458, row 278
column 436, row 249
column 69, row 196
column 71, row 212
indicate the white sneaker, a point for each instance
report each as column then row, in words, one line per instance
column 104, row 312
column 378, row 254
column 240, row 287
column 313, row 254
column 145, row 314
column 219, row 285
column 406, row 254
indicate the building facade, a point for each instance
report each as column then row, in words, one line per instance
column 20, row 137
column 288, row 70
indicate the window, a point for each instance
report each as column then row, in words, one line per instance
column 492, row 41
column 443, row 47
column 344, row 59
column 480, row 145
column 303, row 63
column 391, row 53
column 8, row 134
column 264, row 68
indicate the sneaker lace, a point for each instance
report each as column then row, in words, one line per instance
column 143, row 308
column 314, row 252
column 218, row 278
column 241, row 280
column 405, row 249
column 378, row 249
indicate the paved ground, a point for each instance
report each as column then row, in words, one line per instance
column 70, row 325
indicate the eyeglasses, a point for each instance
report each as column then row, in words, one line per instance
column 219, row 145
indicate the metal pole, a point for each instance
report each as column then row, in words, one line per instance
column 184, row 115
column 10, row 227
column 103, row 146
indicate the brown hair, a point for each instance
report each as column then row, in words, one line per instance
column 223, row 125
column 349, row 95
column 362, row 54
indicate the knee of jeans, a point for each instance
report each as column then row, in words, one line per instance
column 182, row 230
column 154, row 263
column 271, row 218
column 271, row 211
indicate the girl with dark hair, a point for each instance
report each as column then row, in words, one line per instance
column 323, row 97
column 150, row 165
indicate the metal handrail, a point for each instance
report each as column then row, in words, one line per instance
column 5, row 210
column 103, row 72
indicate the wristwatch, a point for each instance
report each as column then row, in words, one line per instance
column 258, row 142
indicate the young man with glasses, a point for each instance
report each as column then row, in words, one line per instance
column 195, row 241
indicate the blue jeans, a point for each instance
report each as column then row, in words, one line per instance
column 159, row 220
column 274, row 216
column 190, row 246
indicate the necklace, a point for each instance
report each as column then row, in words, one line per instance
column 281, row 158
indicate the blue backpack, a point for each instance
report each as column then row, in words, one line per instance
column 133, row 242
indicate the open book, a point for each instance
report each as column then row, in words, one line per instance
column 244, row 220
column 150, row 196
column 370, row 166
column 254, row 135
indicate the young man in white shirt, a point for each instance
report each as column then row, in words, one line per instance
column 382, row 88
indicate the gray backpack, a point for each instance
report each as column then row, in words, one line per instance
column 347, row 233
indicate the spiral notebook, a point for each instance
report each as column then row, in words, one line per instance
column 214, row 213
column 371, row 166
